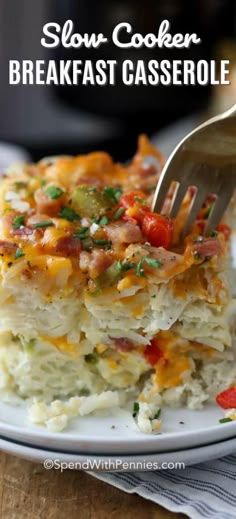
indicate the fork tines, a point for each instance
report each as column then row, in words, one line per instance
column 206, row 181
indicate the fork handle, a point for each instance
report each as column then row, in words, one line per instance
column 228, row 113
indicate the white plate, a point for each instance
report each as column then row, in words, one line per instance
column 97, row 433
column 108, row 463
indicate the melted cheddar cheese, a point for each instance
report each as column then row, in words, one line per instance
column 175, row 362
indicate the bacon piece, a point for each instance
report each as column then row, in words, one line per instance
column 68, row 246
column 7, row 246
column 122, row 343
column 100, row 262
column 22, row 231
column 126, row 232
column 171, row 262
column 96, row 262
column 28, row 230
column 207, row 247
column 44, row 204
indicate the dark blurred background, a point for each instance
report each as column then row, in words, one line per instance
column 55, row 120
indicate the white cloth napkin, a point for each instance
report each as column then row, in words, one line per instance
column 205, row 490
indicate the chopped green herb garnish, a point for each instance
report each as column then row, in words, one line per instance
column 69, row 214
column 92, row 358
column 151, row 262
column 82, row 233
column 40, row 225
column 113, row 192
column 135, row 409
column 104, row 221
column 100, row 242
column 54, row 192
column 105, row 243
column 84, row 392
column 126, row 265
column 214, row 233
column 20, row 185
column 87, row 243
column 196, row 255
column 29, row 346
column 140, row 200
column 19, row 253
column 94, row 293
column 225, row 420
column 92, row 189
column 119, row 213
column 108, row 245
column 42, row 181
column 157, row 415
column 140, row 270
column 18, row 221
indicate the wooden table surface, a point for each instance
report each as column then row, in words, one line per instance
column 28, row 491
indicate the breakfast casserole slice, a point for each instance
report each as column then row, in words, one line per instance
column 101, row 301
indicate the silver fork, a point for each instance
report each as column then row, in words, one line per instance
column 206, row 159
